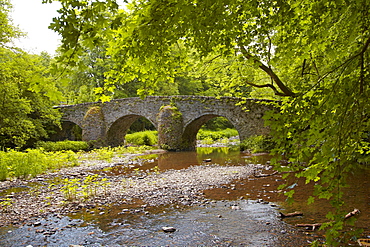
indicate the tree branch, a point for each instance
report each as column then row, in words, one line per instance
column 363, row 50
column 285, row 90
column 266, row 85
column 362, row 65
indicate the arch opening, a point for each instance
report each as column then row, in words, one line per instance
column 68, row 131
column 141, row 124
column 209, row 122
column 124, row 125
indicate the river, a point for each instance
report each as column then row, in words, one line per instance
column 241, row 213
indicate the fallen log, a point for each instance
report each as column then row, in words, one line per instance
column 363, row 242
column 316, row 225
column 282, row 215
column 353, row 213
column 312, row 226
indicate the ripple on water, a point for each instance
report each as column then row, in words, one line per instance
column 250, row 224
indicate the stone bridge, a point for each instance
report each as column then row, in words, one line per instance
column 176, row 118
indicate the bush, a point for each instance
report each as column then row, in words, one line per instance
column 218, row 123
column 257, row 144
column 15, row 164
column 63, row 145
column 32, row 162
column 143, row 138
column 216, row 135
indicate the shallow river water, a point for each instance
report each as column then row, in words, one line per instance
column 241, row 213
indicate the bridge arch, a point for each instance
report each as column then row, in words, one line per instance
column 119, row 128
column 191, row 130
column 67, row 131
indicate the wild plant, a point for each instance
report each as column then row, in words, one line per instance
column 33, row 162
column 105, row 153
column 105, row 185
column 90, row 186
column 76, row 189
column 137, row 171
column 69, row 188
column 5, row 204
column 207, row 141
column 155, row 170
column 62, row 145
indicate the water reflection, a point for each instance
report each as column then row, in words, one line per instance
column 213, row 155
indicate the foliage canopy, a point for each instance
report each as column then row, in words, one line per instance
column 312, row 55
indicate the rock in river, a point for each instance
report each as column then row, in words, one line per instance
column 168, row 229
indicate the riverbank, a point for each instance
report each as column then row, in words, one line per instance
column 24, row 200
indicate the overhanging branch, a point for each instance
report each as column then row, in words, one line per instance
column 266, row 85
column 285, row 91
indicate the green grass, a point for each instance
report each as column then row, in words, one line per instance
column 14, row 164
column 149, row 137
column 63, row 146
column 204, row 134
column 30, row 163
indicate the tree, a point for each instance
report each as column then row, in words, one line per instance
column 27, row 92
column 312, row 55
column 87, row 82
column 7, row 30
column 26, row 99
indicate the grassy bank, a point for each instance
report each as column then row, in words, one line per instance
column 51, row 156
column 30, row 163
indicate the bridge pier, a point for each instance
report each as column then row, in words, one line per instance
column 170, row 128
column 93, row 127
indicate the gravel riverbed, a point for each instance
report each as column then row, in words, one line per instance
column 43, row 195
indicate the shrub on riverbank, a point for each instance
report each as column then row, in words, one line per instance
column 204, row 134
column 33, row 162
column 30, row 163
column 63, row 146
column 149, row 137
column 257, row 144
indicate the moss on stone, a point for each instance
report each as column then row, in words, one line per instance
column 170, row 127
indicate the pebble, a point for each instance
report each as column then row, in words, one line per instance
column 168, row 229
column 235, row 207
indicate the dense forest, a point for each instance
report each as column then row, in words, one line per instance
column 311, row 56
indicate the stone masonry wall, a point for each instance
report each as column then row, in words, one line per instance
column 116, row 116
